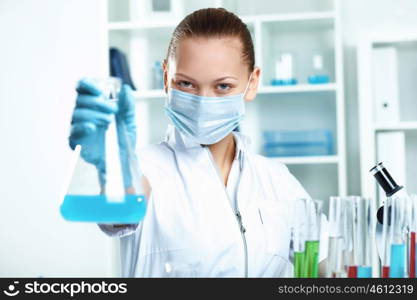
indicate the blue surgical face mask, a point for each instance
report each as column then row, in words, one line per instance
column 206, row 120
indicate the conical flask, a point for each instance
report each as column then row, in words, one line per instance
column 102, row 197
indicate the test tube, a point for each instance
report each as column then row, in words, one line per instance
column 363, row 236
column 348, row 237
column 386, row 237
column 355, row 221
column 407, row 207
column 413, row 230
column 398, row 238
column 336, row 242
column 313, row 211
column 299, row 239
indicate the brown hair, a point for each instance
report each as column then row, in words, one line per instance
column 214, row 22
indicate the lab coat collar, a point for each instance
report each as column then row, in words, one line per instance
column 178, row 140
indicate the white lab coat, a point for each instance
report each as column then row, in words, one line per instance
column 192, row 228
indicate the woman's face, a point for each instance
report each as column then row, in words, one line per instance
column 212, row 67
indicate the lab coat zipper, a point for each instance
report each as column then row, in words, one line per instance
column 236, row 211
column 242, row 229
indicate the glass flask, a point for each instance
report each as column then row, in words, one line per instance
column 102, row 198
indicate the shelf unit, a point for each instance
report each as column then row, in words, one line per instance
column 405, row 45
column 410, row 125
column 304, row 27
column 329, row 159
column 289, row 17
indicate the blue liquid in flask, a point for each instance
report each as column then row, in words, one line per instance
column 126, row 209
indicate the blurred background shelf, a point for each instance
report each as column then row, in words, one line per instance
column 136, row 26
column 290, row 17
column 304, row 160
column 397, row 126
column 387, row 108
column 300, row 88
column 300, row 17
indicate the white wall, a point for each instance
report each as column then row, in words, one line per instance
column 358, row 16
column 46, row 45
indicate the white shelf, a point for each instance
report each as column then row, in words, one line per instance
column 396, row 126
column 303, row 160
column 137, row 26
column 307, row 16
column 290, row 17
column 300, row 88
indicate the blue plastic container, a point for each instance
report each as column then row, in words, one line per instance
column 298, row 143
column 318, row 79
column 283, row 82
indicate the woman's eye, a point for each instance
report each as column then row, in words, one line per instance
column 185, row 84
column 224, row 87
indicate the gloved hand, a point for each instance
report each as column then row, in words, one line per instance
column 90, row 119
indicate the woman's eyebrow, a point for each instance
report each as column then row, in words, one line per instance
column 226, row 77
column 185, row 76
column 219, row 79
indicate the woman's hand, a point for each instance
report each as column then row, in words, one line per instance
column 90, row 119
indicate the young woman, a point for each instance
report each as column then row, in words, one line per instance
column 214, row 208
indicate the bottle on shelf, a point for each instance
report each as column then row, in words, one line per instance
column 318, row 74
column 284, row 70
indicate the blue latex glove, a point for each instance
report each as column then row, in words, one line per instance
column 90, row 119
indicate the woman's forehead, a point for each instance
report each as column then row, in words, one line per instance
column 209, row 57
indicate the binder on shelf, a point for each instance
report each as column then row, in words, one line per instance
column 385, row 85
